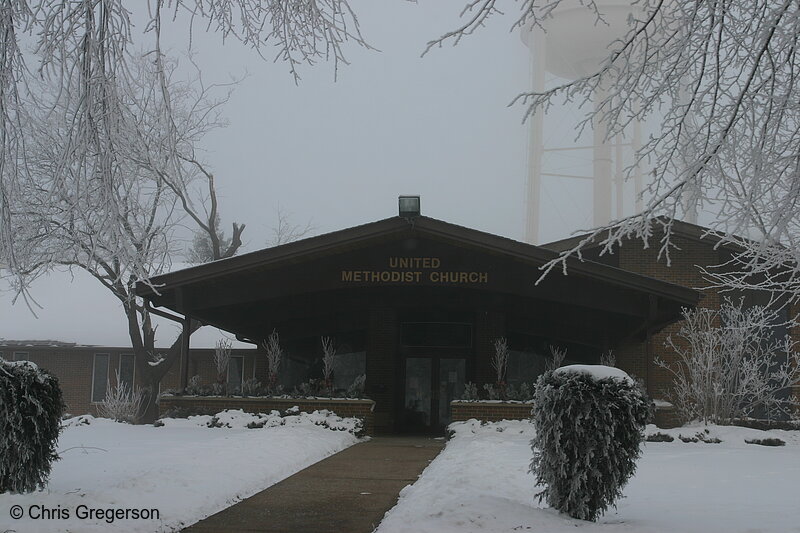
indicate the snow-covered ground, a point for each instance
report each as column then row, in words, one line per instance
column 480, row 482
column 184, row 469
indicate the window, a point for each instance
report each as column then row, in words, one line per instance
column 127, row 369
column 100, row 377
column 347, row 366
column 235, row 373
column 20, row 356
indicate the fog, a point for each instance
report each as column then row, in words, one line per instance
column 336, row 148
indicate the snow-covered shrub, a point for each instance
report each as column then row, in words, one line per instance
column 122, row 403
column 492, row 393
column 193, row 387
column 251, row 387
column 356, row 389
column 470, row 392
column 700, row 436
column 659, row 437
column 766, row 442
column 589, row 426
column 30, row 420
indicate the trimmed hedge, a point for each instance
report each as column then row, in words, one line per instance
column 31, row 407
column 588, row 436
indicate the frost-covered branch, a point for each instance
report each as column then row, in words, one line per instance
column 500, row 359
column 719, row 82
column 731, row 363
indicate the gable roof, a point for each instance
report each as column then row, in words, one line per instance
column 358, row 236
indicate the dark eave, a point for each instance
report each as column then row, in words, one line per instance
column 352, row 237
column 692, row 232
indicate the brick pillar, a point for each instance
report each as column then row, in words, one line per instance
column 382, row 367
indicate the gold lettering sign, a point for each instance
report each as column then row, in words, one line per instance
column 414, row 270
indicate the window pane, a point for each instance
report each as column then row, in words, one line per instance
column 417, row 413
column 235, row 371
column 20, row 356
column 100, row 377
column 451, row 386
column 126, row 369
column 524, row 367
column 347, row 367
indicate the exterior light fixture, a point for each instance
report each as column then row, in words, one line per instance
column 409, row 206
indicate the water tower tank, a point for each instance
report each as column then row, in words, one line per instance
column 576, row 42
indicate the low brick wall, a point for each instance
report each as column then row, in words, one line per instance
column 210, row 405
column 489, row 411
column 667, row 417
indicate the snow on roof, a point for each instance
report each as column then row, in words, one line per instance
column 73, row 307
column 596, row 371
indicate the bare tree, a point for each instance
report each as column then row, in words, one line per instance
column 98, row 170
column 106, row 202
column 608, row 358
column 556, row 358
column 272, row 346
column 721, row 81
column 500, row 360
column 83, row 49
column 222, row 357
column 285, row 231
column 328, row 358
column 730, row 364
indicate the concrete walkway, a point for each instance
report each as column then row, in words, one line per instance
column 348, row 492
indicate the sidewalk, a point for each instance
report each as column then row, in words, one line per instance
column 348, row 492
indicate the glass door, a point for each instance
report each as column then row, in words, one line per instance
column 431, row 383
column 451, row 387
column 418, row 395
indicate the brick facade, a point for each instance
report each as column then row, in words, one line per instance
column 689, row 255
column 74, row 368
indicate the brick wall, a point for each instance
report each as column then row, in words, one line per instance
column 74, row 368
column 363, row 409
column 489, row 411
column 683, row 270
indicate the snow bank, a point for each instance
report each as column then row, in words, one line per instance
column 185, row 469
column 596, row 371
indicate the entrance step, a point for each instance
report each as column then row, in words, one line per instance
column 348, row 492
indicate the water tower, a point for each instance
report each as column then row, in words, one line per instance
column 575, row 44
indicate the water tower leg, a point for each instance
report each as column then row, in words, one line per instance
column 636, row 144
column 601, row 164
column 619, row 178
column 535, row 143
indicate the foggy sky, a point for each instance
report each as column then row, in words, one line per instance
column 339, row 152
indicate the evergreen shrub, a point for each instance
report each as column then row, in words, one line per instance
column 31, row 407
column 588, row 436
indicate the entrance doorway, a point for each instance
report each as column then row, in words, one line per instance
column 431, row 383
